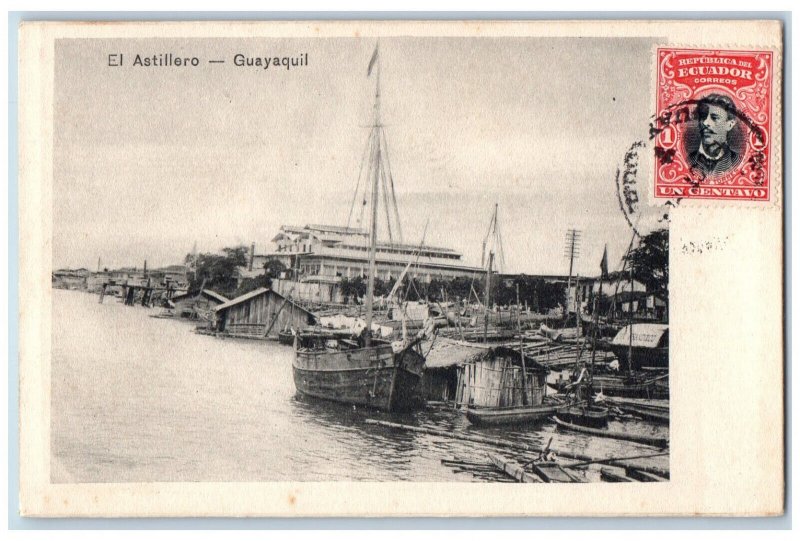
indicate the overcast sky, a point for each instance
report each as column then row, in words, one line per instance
column 149, row 161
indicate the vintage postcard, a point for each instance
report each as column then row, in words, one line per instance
column 401, row 268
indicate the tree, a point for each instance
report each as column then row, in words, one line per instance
column 603, row 302
column 537, row 293
column 353, row 288
column 274, row 268
column 217, row 272
column 650, row 261
column 237, row 255
column 250, row 284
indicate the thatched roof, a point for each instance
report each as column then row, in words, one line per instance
column 446, row 353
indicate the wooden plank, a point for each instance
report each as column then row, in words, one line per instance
column 512, row 469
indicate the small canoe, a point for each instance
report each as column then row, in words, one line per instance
column 637, row 386
column 643, row 476
column 585, row 415
column 611, row 476
column 651, row 414
column 550, row 472
column 512, row 415
column 647, row 440
column 657, row 405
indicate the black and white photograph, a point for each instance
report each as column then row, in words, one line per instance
column 371, row 257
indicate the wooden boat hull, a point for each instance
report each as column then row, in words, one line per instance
column 649, row 414
column 585, row 416
column 374, row 377
column 550, row 472
column 647, row 440
column 626, row 387
column 514, row 415
column 286, row 338
column 642, row 357
column 612, row 476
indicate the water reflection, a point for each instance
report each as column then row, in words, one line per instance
column 142, row 399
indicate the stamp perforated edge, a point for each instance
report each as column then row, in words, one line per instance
column 775, row 201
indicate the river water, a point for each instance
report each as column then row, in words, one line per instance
column 141, row 399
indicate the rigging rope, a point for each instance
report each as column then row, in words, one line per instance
column 391, row 185
column 366, row 184
column 367, row 147
column 386, row 200
column 622, row 269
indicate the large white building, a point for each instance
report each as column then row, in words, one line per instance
column 326, row 254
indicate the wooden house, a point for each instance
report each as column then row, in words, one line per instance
column 262, row 313
column 497, row 379
column 443, row 364
column 192, row 303
column 481, row 375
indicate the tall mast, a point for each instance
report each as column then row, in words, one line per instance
column 487, row 298
column 571, row 250
column 630, row 314
column 373, row 223
column 598, row 301
column 522, row 356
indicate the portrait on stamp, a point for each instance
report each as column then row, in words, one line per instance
column 716, row 125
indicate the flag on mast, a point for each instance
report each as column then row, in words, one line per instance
column 604, row 263
column 372, row 60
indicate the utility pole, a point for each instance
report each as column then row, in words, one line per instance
column 572, row 248
column 487, row 298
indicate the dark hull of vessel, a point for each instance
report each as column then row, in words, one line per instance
column 642, row 357
column 650, row 414
column 373, row 377
column 513, row 415
column 654, row 387
column 592, row 416
column 647, row 440
column 286, row 338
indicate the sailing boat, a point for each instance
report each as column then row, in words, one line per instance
column 638, row 346
column 584, row 412
column 503, row 385
column 363, row 370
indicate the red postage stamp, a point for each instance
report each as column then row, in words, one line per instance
column 712, row 128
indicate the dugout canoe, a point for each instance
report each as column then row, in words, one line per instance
column 515, row 415
column 647, row 440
